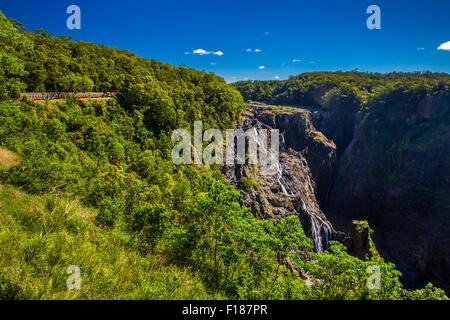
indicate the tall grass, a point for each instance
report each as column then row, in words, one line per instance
column 41, row 236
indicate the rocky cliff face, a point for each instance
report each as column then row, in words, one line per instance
column 300, row 134
column 293, row 189
column 396, row 173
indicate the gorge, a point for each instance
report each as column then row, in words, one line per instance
column 387, row 162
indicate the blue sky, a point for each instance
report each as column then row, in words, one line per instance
column 293, row 36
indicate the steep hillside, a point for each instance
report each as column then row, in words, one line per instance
column 169, row 97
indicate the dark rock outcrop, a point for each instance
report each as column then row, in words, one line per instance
column 360, row 243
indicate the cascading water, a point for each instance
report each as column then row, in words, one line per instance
column 272, row 158
column 320, row 230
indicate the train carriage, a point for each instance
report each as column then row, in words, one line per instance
column 62, row 95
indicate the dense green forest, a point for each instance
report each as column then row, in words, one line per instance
column 325, row 89
column 169, row 97
column 90, row 183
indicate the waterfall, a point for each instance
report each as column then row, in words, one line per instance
column 283, row 178
column 308, row 179
column 273, row 158
column 320, row 230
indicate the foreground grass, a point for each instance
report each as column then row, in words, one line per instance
column 41, row 236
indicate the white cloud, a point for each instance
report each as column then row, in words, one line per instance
column 445, row 46
column 187, row 52
column 312, row 62
column 421, row 48
column 255, row 50
column 204, row 52
column 213, row 63
column 201, row 52
column 261, row 67
column 277, row 77
column 296, row 60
